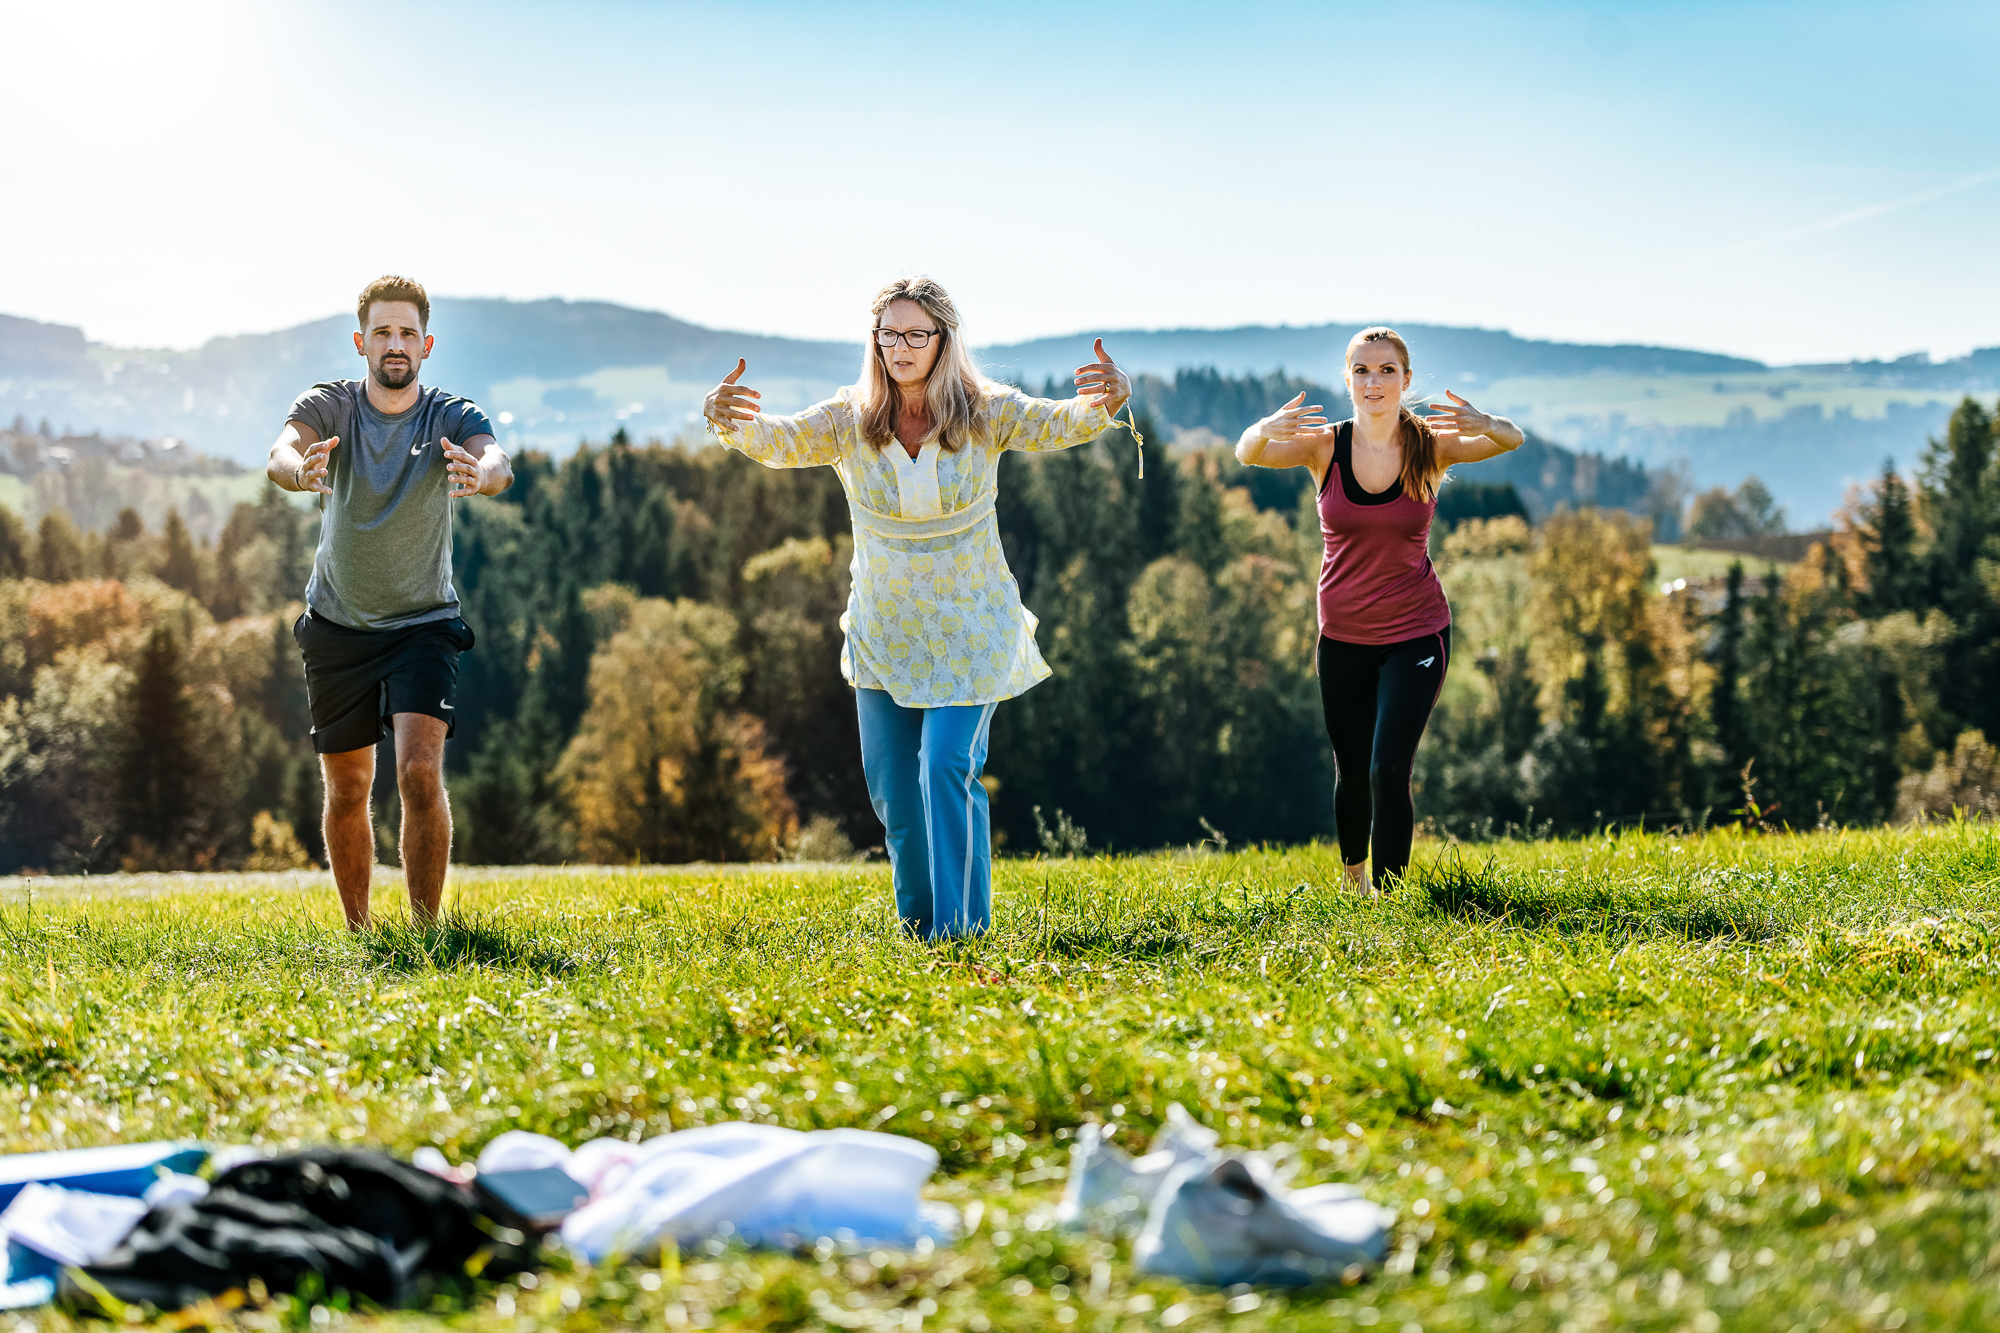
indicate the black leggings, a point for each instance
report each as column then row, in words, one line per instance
column 1377, row 697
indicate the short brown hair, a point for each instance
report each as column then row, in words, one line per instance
column 389, row 287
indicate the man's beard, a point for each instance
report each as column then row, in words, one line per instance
column 395, row 375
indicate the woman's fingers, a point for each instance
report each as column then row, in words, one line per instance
column 731, row 401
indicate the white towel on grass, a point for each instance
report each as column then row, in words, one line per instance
column 762, row 1184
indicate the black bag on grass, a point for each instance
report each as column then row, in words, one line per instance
column 360, row 1222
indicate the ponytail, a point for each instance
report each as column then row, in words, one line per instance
column 1421, row 472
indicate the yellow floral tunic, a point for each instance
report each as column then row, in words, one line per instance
column 935, row 617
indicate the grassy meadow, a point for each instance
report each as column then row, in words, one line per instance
column 1636, row 1082
column 1684, row 562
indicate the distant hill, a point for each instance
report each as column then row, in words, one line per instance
column 228, row 397
column 1443, row 356
column 29, row 348
column 553, row 372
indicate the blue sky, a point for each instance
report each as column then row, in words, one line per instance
column 1660, row 173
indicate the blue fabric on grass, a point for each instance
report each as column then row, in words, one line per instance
column 125, row 1168
column 923, row 767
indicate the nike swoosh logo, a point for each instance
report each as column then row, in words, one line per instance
column 416, row 448
column 442, row 704
column 1427, row 661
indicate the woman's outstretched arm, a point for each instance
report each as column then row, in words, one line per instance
column 807, row 439
column 1043, row 425
column 1293, row 436
column 1467, row 435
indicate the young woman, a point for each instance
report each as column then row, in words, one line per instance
column 1384, row 624
column 936, row 633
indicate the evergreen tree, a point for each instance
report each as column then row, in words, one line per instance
column 1960, row 490
column 181, row 567
column 159, row 774
column 14, row 551
column 291, row 783
column 116, row 553
column 1725, row 709
column 1961, row 502
column 59, row 552
column 1889, row 546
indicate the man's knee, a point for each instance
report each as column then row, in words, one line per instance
column 348, row 778
column 419, row 776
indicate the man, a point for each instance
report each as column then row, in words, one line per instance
column 381, row 634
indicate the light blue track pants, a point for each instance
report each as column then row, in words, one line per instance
column 923, row 767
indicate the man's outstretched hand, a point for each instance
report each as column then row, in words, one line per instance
column 312, row 473
column 468, row 476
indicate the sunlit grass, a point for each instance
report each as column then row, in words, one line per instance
column 1635, row 1082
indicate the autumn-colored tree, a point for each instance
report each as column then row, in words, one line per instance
column 1603, row 668
column 663, row 768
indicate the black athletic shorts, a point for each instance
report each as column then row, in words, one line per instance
column 357, row 679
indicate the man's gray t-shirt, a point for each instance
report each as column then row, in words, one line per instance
column 384, row 557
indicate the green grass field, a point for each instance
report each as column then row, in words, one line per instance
column 1681, row 562
column 1639, row 1082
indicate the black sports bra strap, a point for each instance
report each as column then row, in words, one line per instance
column 1343, row 453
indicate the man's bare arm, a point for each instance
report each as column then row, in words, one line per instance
column 298, row 460
column 478, row 467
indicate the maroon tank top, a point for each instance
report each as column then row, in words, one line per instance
column 1376, row 584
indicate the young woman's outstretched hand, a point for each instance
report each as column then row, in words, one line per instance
column 1102, row 378
column 1289, row 437
column 729, row 402
column 1460, row 424
column 1457, row 417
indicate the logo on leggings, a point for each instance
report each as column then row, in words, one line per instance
column 1428, row 660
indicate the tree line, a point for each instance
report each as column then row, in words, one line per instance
column 656, row 676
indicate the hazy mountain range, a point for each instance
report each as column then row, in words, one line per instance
column 553, row 372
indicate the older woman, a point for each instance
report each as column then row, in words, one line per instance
column 936, row 633
column 1384, row 624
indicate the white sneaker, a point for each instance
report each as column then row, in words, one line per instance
column 1229, row 1220
column 1112, row 1189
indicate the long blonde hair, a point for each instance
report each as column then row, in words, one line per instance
column 955, row 387
column 1421, row 470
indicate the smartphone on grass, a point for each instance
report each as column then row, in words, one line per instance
column 541, row 1197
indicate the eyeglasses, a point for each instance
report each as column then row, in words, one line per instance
column 917, row 339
